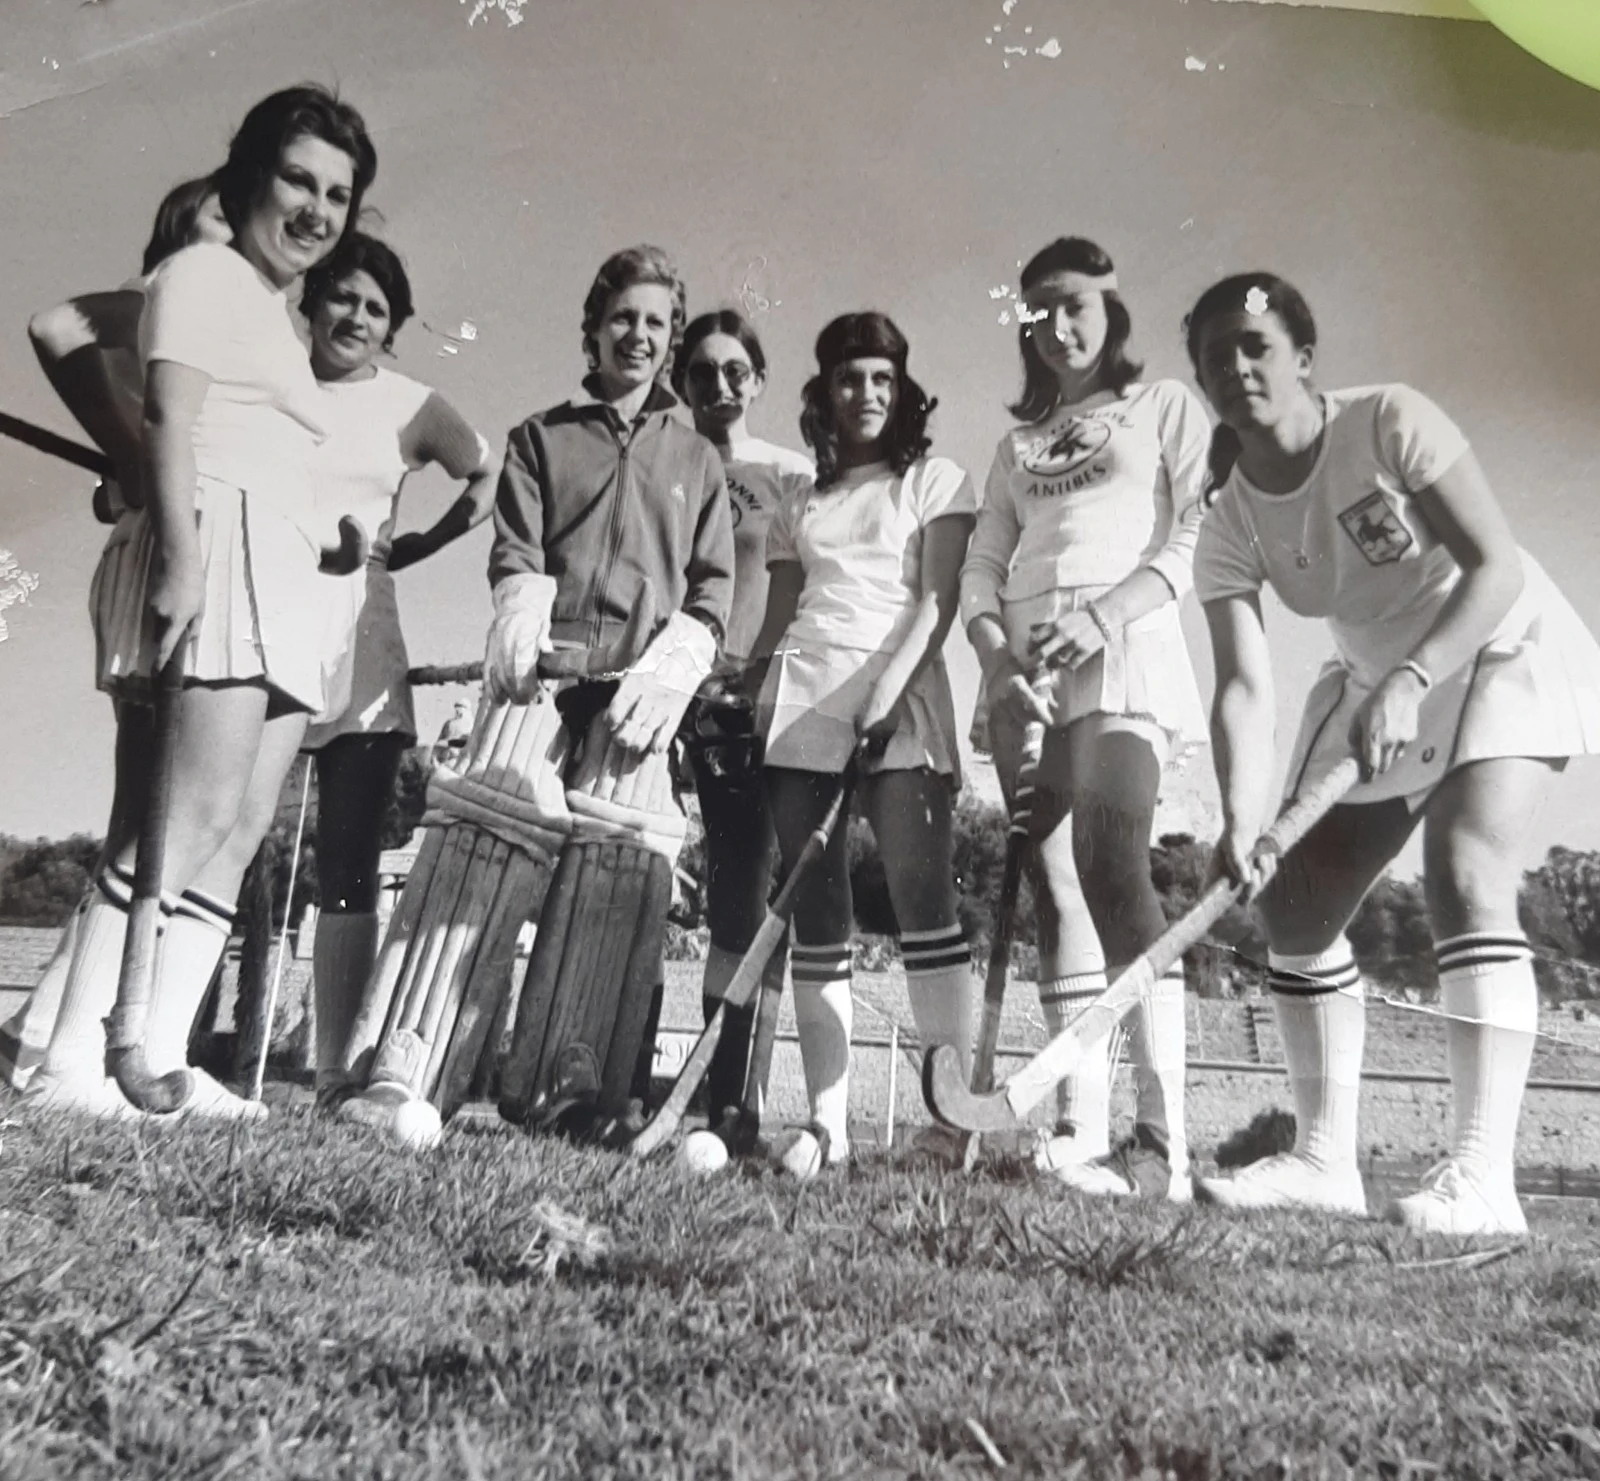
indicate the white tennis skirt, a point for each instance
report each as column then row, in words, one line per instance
column 368, row 662
column 809, row 703
column 1143, row 674
column 266, row 605
column 1533, row 691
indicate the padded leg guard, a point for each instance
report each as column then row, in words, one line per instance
column 493, row 832
column 585, row 1006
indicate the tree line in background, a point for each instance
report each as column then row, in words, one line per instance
column 40, row 882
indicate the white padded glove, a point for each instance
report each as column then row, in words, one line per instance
column 654, row 693
column 519, row 633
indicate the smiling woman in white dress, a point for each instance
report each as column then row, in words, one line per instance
column 1462, row 681
column 383, row 426
column 230, row 547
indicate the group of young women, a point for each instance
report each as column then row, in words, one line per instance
column 825, row 588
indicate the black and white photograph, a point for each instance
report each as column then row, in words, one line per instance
column 753, row 740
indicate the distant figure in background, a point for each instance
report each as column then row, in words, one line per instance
column 720, row 371
column 89, row 351
column 381, row 428
column 1463, row 680
column 453, row 735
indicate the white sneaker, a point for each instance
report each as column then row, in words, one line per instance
column 96, row 1096
column 1288, row 1180
column 1066, row 1148
column 1453, row 1201
column 211, row 1101
column 1138, row 1167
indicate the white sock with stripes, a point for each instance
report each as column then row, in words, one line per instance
column 1158, row 1038
column 823, row 1013
column 78, row 1042
column 1322, row 1019
column 1083, row 1098
column 943, row 993
column 1487, row 987
column 194, row 933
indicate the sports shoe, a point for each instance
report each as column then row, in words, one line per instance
column 1453, row 1201
column 1288, row 1180
column 1137, row 1167
column 96, row 1096
column 209, row 1100
column 18, row 1060
column 937, row 1147
column 1066, row 1146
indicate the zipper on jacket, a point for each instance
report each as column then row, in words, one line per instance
column 624, row 445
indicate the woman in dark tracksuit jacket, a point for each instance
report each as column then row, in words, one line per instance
column 607, row 502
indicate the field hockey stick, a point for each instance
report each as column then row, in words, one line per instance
column 945, row 1088
column 1018, row 840
column 267, row 1010
column 129, row 1019
column 746, row 978
column 342, row 559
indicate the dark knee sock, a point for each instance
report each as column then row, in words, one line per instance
column 725, row 1076
column 640, row 1089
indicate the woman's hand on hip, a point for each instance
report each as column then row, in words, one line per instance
column 175, row 598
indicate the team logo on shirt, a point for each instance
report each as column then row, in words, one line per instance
column 1377, row 530
column 1068, row 449
column 741, row 497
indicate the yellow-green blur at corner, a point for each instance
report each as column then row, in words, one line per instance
column 1563, row 33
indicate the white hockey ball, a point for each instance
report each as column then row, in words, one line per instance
column 703, row 1153
column 798, row 1153
column 417, row 1126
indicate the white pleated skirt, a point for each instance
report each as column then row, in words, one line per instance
column 266, row 612
column 1533, row 691
column 809, row 703
column 367, row 662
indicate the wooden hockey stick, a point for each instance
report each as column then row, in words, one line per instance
column 945, row 1088
column 746, row 978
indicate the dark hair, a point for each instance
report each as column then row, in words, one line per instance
column 1285, row 302
column 275, row 123
column 1041, row 391
column 719, row 321
column 173, row 229
column 623, row 270
column 361, row 253
column 860, row 336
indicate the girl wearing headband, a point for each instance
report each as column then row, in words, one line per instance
column 1070, row 594
column 864, row 572
column 1462, row 681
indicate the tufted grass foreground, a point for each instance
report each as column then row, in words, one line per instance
column 298, row 1301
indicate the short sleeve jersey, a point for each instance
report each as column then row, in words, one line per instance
column 1350, row 544
column 360, row 468
column 761, row 478
column 859, row 543
column 263, row 414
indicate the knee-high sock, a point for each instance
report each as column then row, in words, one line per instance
column 1487, row 986
column 78, row 1042
column 1322, row 1019
column 823, row 1012
column 943, row 992
column 194, row 934
column 342, row 956
column 726, row 1074
column 30, row 1027
column 1160, row 1052
column 642, row 1067
column 1083, row 1098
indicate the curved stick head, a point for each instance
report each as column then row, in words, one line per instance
column 600, row 663
column 160, row 1095
column 350, row 554
column 952, row 1101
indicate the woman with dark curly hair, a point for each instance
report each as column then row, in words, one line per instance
column 225, row 566
column 865, row 567
column 383, row 427
column 1070, row 594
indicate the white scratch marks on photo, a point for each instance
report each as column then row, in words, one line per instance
column 16, row 585
column 1193, row 64
column 1051, row 49
column 468, row 330
column 751, row 298
column 510, row 9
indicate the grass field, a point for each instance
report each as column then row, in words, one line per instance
column 294, row 1303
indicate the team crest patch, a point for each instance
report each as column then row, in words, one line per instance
column 1070, row 448
column 1376, row 529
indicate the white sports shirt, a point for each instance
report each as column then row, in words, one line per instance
column 762, row 477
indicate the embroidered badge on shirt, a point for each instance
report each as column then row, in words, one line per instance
column 1070, row 448
column 1376, row 529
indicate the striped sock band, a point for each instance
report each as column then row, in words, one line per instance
column 1481, row 950
column 926, row 952
column 817, row 966
column 1332, row 970
column 197, row 905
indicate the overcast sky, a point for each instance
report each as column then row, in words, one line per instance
column 1430, row 188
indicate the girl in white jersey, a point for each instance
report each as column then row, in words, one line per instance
column 1462, row 682
column 381, row 427
column 228, row 556
column 1070, row 594
column 865, row 567
column 88, row 348
column 720, row 370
